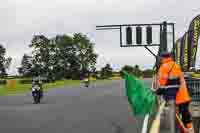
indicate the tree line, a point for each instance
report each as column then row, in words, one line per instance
column 60, row 57
column 135, row 70
column 63, row 57
column 107, row 71
column 4, row 62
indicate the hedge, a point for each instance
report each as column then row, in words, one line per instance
column 3, row 82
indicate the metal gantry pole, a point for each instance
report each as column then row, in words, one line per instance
column 164, row 37
column 172, row 103
column 173, row 40
column 120, row 36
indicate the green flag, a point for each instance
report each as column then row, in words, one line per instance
column 141, row 99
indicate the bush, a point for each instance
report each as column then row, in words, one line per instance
column 26, row 81
column 47, row 81
column 29, row 81
column 3, row 82
column 14, row 77
column 148, row 73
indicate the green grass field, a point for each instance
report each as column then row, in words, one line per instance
column 23, row 88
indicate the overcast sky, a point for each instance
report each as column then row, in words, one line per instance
column 21, row 19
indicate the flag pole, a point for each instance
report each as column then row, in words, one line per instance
column 145, row 124
column 156, row 123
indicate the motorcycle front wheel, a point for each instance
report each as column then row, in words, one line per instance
column 36, row 99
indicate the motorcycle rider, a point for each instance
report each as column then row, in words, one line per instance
column 38, row 83
column 86, row 80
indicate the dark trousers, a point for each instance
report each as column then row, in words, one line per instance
column 184, row 113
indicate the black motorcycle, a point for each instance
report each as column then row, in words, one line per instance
column 37, row 93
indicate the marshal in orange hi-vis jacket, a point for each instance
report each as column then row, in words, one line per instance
column 182, row 95
column 170, row 77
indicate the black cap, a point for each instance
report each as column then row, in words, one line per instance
column 166, row 54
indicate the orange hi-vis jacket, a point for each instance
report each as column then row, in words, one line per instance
column 168, row 65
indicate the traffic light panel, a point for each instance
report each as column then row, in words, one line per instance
column 149, row 34
column 128, row 35
column 138, row 35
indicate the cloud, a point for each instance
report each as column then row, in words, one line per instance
column 21, row 19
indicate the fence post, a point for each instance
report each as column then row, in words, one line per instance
column 172, row 115
column 155, row 127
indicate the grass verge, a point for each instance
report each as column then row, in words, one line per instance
column 23, row 88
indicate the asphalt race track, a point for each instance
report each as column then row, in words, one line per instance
column 101, row 108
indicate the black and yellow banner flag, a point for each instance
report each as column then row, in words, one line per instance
column 185, row 65
column 193, row 32
column 178, row 51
